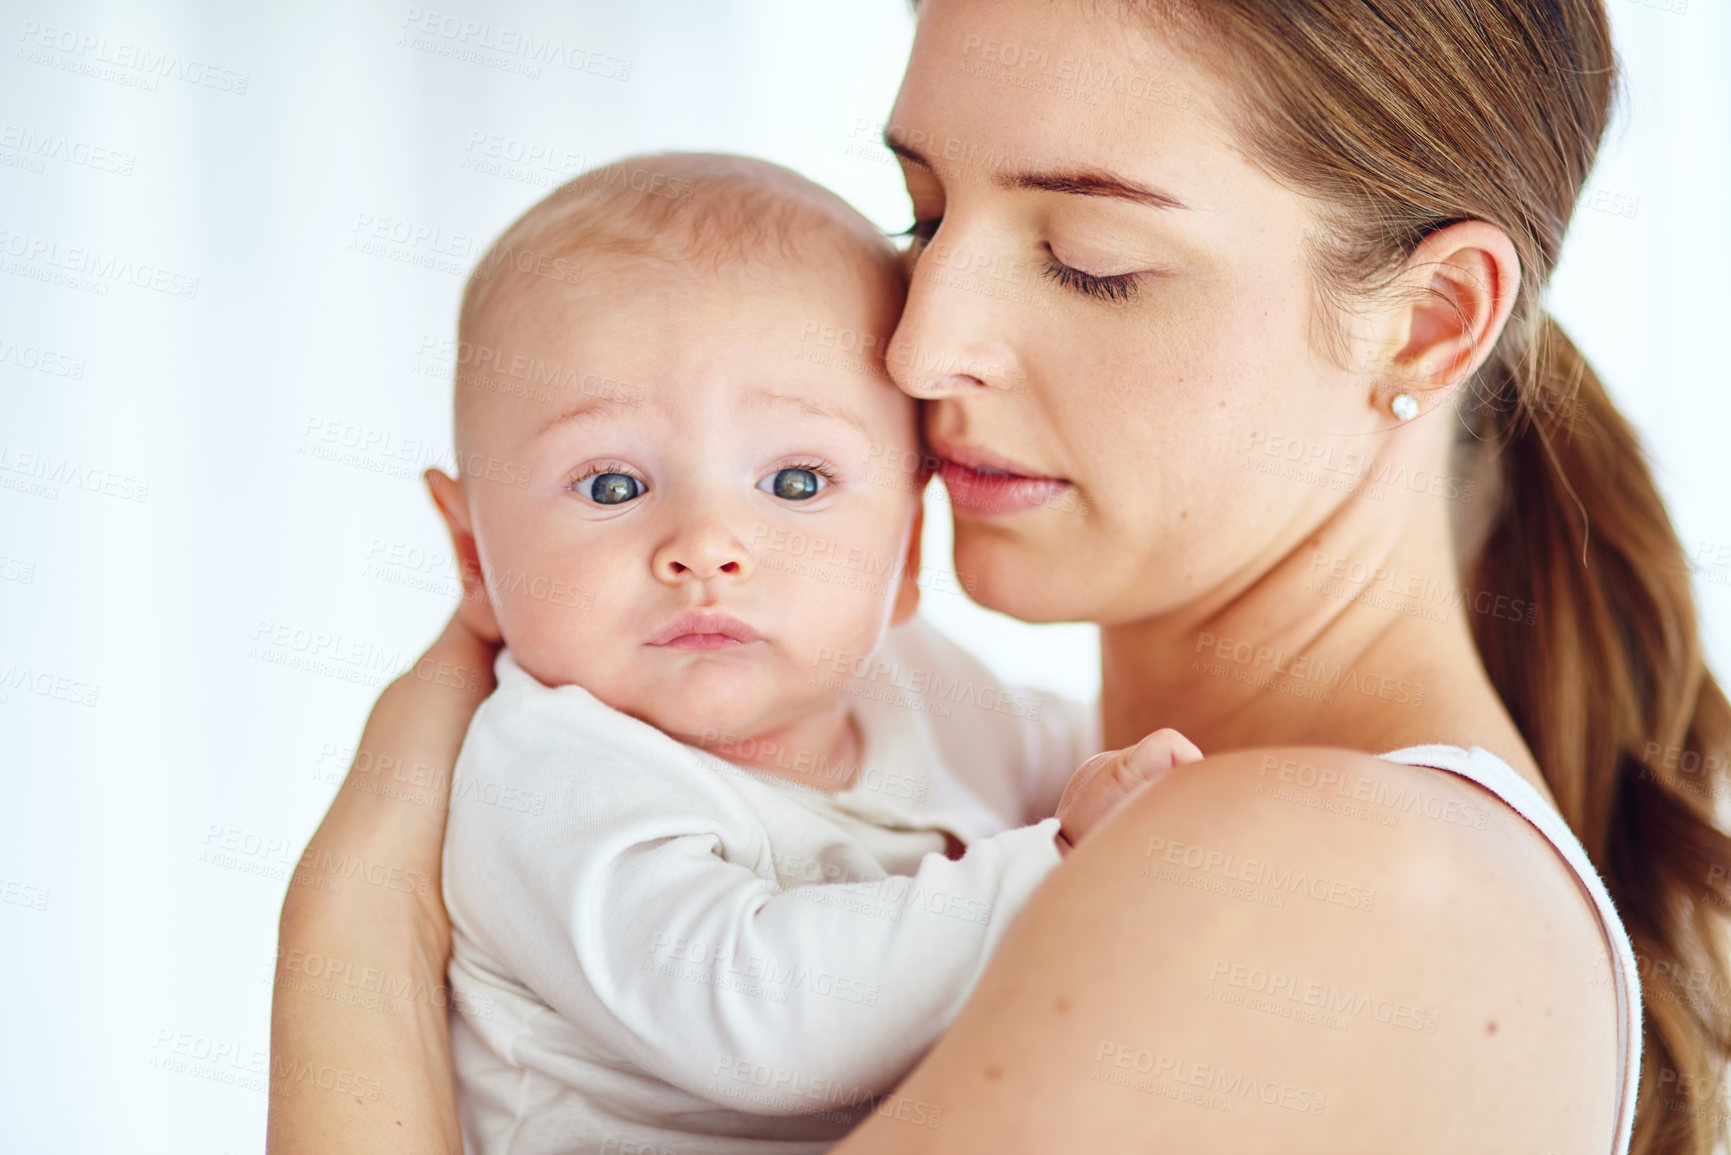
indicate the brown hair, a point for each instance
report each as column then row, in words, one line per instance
column 1404, row 116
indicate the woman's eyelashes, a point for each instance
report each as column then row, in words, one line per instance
column 1117, row 287
column 922, row 231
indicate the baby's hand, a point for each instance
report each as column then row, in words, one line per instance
column 1104, row 782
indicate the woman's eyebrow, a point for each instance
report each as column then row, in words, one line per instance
column 1087, row 182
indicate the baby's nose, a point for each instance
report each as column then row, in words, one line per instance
column 700, row 554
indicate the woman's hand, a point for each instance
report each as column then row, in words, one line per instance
column 365, row 904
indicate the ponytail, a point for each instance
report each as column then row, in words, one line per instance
column 1610, row 688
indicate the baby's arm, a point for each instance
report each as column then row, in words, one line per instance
column 611, row 899
column 765, row 1000
column 830, row 992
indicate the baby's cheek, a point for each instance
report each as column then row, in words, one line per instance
column 837, row 636
column 555, row 632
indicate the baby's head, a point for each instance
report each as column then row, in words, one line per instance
column 685, row 472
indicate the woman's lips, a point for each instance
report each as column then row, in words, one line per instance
column 985, row 486
column 700, row 631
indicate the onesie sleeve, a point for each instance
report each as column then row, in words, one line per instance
column 1060, row 736
column 790, row 1001
column 634, row 904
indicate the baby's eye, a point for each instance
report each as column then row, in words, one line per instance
column 611, row 488
column 793, row 483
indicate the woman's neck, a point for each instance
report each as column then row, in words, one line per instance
column 1357, row 636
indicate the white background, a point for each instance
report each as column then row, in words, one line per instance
column 155, row 827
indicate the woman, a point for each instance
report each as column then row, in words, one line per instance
column 1275, row 404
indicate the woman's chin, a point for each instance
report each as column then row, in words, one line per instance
column 1024, row 576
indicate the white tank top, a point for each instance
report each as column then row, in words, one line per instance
column 1497, row 776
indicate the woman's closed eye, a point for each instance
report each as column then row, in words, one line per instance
column 1116, row 287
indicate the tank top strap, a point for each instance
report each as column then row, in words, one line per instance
column 1501, row 779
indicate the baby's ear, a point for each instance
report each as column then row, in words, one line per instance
column 908, row 593
column 476, row 612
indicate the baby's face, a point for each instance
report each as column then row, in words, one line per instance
column 719, row 501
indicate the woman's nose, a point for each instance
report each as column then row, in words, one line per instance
column 948, row 342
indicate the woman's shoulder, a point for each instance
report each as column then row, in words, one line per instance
column 1293, row 948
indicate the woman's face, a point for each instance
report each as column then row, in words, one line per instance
column 1114, row 302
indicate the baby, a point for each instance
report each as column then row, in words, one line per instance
column 717, row 876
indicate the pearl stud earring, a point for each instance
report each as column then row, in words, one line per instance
column 1405, row 406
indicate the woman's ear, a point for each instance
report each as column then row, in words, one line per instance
column 1467, row 277
column 908, row 592
column 476, row 611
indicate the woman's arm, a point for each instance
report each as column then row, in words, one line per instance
column 1233, row 968
column 366, row 900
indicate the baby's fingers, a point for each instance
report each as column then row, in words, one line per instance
column 1159, row 752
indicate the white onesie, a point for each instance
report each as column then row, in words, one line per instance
column 657, row 951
